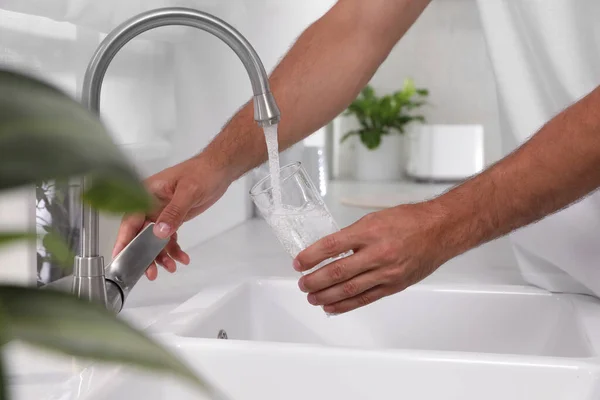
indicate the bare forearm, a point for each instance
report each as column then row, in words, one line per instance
column 321, row 74
column 556, row 167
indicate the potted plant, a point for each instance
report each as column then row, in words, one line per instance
column 383, row 122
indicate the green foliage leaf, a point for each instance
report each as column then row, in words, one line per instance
column 58, row 321
column 58, row 249
column 3, row 336
column 386, row 109
column 3, row 374
column 348, row 135
column 117, row 194
column 415, row 104
column 3, row 388
column 371, row 139
column 52, row 242
column 409, row 89
column 368, row 92
column 11, row 237
column 3, row 340
column 44, row 134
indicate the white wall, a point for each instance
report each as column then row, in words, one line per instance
column 445, row 52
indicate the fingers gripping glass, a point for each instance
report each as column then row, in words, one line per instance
column 302, row 219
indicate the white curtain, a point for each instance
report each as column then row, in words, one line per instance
column 545, row 57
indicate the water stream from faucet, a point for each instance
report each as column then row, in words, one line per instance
column 273, row 153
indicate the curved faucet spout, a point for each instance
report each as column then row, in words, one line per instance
column 266, row 113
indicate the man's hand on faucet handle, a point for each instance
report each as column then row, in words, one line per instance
column 182, row 192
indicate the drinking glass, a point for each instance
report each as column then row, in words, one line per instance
column 302, row 218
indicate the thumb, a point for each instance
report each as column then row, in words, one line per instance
column 173, row 215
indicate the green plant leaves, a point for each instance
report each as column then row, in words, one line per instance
column 10, row 237
column 117, row 193
column 57, row 321
column 44, row 134
column 53, row 243
column 347, row 135
column 368, row 93
column 371, row 139
column 3, row 388
column 379, row 115
column 58, row 249
column 3, row 340
column 409, row 89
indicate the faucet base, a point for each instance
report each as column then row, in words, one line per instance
column 89, row 280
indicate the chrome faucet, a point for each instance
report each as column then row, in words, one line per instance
column 111, row 286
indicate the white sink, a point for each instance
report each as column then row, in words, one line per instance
column 482, row 319
column 429, row 342
column 266, row 371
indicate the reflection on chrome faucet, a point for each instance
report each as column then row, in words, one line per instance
column 111, row 287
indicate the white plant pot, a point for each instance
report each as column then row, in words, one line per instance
column 386, row 163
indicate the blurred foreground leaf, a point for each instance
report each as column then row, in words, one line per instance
column 52, row 242
column 3, row 340
column 44, row 135
column 3, row 388
column 58, row 321
column 10, row 237
column 59, row 250
column 118, row 195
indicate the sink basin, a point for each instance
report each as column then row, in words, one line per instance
column 250, row 371
column 482, row 319
column 430, row 342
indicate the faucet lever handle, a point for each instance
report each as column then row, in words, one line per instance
column 130, row 264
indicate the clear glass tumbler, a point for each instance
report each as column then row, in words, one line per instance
column 303, row 217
